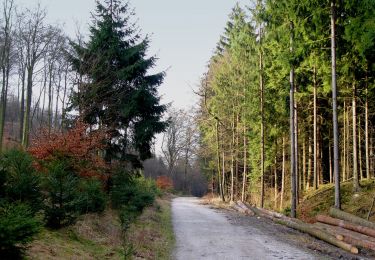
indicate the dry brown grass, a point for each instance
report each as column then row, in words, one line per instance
column 99, row 236
column 214, row 201
column 94, row 236
column 152, row 234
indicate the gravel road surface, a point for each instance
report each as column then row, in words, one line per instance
column 205, row 233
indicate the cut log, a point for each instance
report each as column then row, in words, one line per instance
column 345, row 224
column 336, row 213
column 320, row 234
column 263, row 212
column 348, row 236
column 344, row 231
column 246, row 208
column 305, row 228
column 272, row 213
column 238, row 208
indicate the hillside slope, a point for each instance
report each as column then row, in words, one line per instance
column 319, row 201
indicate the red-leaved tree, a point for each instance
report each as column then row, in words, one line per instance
column 80, row 147
column 164, row 183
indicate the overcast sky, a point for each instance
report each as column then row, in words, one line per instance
column 183, row 34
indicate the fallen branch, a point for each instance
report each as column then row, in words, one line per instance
column 336, row 213
column 345, row 224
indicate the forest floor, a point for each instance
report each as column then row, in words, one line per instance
column 252, row 237
column 99, row 236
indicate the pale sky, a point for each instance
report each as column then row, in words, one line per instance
column 183, row 34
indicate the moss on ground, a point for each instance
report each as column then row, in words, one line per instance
column 319, row 201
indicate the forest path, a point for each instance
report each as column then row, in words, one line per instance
column 205, row 233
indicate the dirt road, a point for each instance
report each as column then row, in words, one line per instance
column 206, row 233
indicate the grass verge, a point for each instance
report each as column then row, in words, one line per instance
column 98, row 236
column 152, row 234
column 94, row 236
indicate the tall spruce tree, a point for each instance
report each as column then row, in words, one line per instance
column 118, row 93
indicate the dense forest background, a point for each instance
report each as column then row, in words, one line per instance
column 268, row 102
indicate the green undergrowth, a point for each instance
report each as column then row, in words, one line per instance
column 357, row 203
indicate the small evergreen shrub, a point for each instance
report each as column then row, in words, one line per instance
column 135, row 192
column 92, row 196
column 62, row 186
column 131, row 195
column 17, row 227
column 128, row 214
column 19, row 181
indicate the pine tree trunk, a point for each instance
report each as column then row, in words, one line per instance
column 221, row 192
column 348, row 139
column 315, row 135
column 232, row 159
column 244, row 174
column 359, row 149
column 330, row 163
column 296, row 146
column 355, row 158
column 318, row 181
column 282, row 177
column 344, row 146
column 292, row 134
column 223, row 176
column 336, row 163
column 310, row 164
column 275, row 186
column 261, row 85
column 367, row 135
column 371, row 151
column 304, row 164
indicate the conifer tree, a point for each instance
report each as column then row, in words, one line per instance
column 119, row 94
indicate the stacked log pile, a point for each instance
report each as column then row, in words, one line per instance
column 340, row 229
column 348, row 228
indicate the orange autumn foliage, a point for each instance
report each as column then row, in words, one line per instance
column 77, row 145
column 164, row 183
